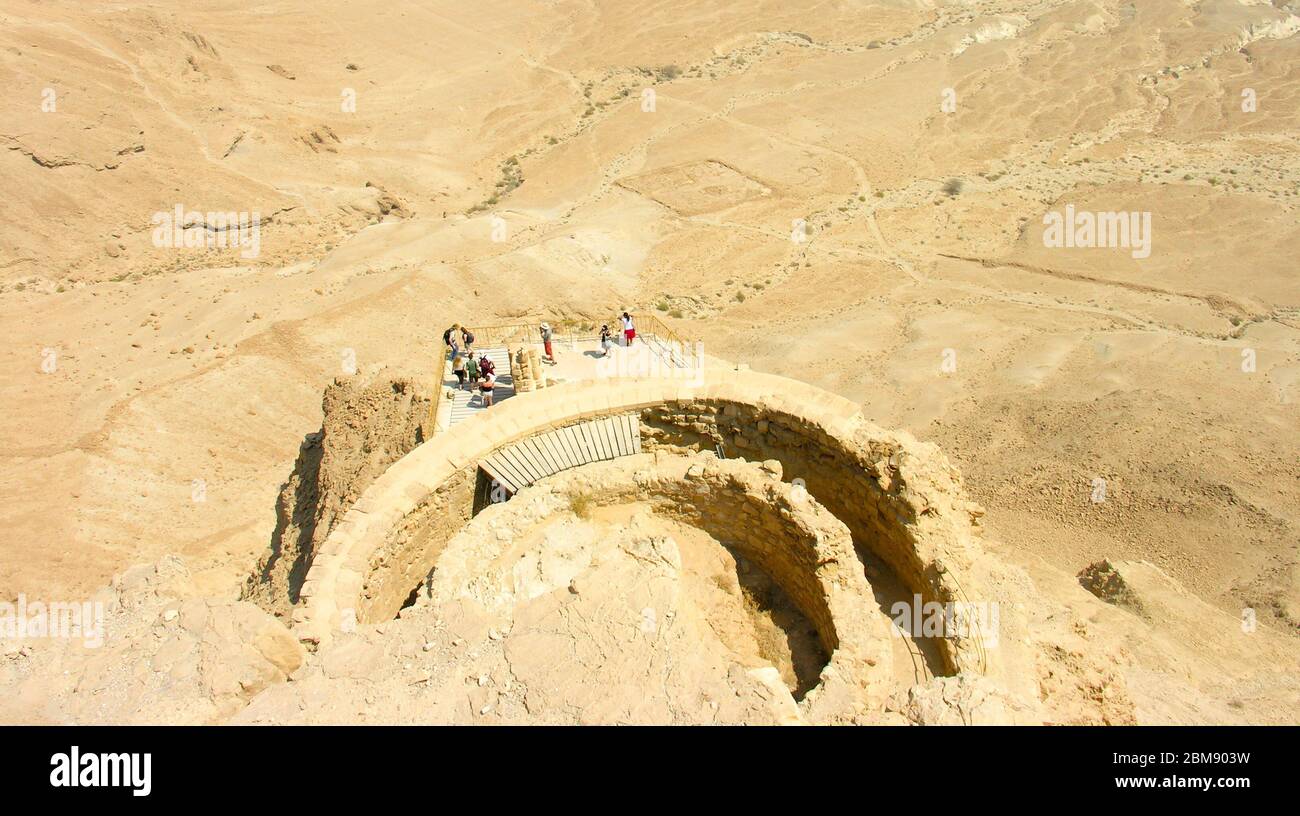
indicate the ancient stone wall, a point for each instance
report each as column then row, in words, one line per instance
column 409, row 552
column 900, row 499
column 857, row 477
column 777, row 526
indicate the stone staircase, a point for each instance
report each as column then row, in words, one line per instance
column 469, row 403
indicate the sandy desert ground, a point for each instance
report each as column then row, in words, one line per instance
column 847, row 193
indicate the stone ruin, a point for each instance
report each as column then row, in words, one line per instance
column 850, row 520
column 765, row 557
column 526, row 369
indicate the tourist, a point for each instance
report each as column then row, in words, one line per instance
column 546, row 342
column 486, row 368
column 458, row 368
column 467, row 336
column 629, row 330
column 489, row 383
column 606, row 339
column 452, row 337
column 471, row 370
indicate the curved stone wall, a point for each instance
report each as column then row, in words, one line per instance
column 778, row 527
column 900, row 498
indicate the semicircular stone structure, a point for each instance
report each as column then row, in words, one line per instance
column 776, row 526
column 900, row 498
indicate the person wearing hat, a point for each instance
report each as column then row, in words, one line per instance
column 546, row 342
column 606, row 339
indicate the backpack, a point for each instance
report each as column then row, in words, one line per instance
column 469, row 337
column 446, row 337
column 486, row 366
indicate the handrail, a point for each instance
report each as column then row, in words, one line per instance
column 507, row 333
column 652, row 324
column 649, row 327
column 439, row 386
column 503, row 334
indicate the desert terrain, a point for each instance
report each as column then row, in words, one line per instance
column 848, row 194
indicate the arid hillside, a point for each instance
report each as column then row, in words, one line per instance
column 858, row 195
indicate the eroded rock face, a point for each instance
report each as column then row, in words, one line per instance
column 963, row 700
column 369, row 422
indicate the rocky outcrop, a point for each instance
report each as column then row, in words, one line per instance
column 1105, row 581
column 369, row 423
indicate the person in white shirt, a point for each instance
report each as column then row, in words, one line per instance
column 629, row 330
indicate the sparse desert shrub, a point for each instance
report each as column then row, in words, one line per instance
column 581, row 505
column 952, row 187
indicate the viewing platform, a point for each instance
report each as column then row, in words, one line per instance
column 656, row 351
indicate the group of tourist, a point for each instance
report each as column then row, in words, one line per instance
column 472, row 372
column 478, row 373
column 606, row 338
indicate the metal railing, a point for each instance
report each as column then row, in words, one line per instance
column 507, row 334
column 648, row 326
column 658, row 334
column 440, row 370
